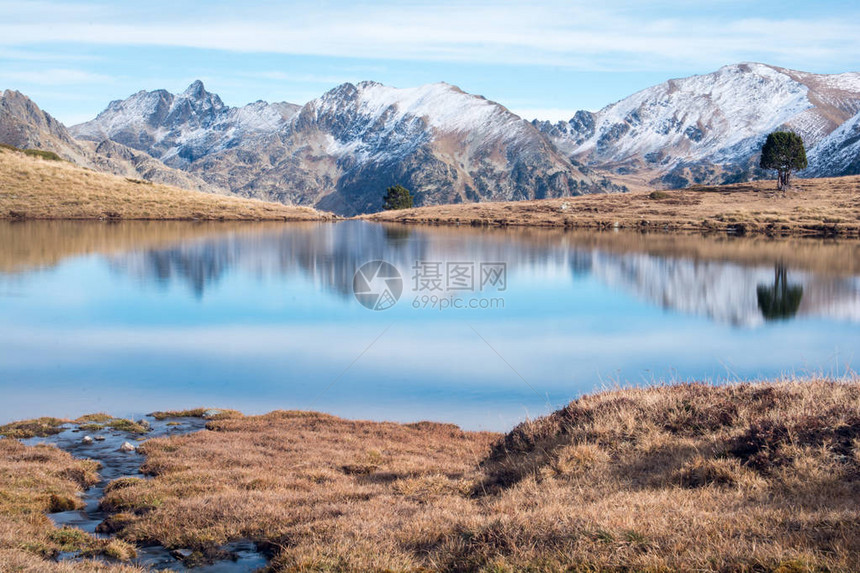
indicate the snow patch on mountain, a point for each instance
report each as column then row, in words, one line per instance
column 709, row 116
column 445, row 107
column 182, row 127
column 839, row 152
column 371, row 121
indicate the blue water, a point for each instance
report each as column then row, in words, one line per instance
column 263, row 317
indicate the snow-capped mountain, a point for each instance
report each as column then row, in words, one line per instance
column 340, row 151
column 24, row 125
column 710, row 128
column 181, row 128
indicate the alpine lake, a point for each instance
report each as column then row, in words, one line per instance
column 474, row 326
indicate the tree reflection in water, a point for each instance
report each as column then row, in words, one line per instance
column 782, row 300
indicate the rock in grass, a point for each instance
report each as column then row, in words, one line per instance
column 127, row 447
column 181, row 553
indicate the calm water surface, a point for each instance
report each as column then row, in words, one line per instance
column 132, row 317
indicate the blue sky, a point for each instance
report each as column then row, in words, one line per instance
column 541, row 59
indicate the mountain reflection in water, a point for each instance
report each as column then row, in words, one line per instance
column 134, row 317
column 329, row 255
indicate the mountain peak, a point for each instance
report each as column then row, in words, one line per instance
column 195, row 90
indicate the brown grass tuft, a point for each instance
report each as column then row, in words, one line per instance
column 206, row 413
column 39, row 479
column 40, row 427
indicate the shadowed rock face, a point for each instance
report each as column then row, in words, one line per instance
column 710, row 128
column 24, row 125
column 340, row 151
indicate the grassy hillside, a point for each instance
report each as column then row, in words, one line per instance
column 34, row 186
column 690, row 477
column 812, row 207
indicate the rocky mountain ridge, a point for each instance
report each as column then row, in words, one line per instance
column 339, row 151
column 710, row 128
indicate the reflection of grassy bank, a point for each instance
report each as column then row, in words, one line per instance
column 751, row 477
column 819, row 207
column 828, row 257
column 33, row 188
column 28, row 244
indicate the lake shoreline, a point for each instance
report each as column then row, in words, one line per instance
column 36, row 189
column 812, row 208
column 637, row 477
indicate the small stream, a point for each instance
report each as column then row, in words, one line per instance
column 105, row 447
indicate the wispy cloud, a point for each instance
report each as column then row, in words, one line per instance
column 280, row 76
column 52, row 77
column 576, row 35
column 30, row 55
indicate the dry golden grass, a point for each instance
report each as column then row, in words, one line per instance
column 34, row 188
column 49, row 426
column 206, row 413
column 812, row 207
column 33, row 481
column 317, row 489
column 749, row 477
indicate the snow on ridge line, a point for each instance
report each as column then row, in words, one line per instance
column 721, row 109
column 445, row 107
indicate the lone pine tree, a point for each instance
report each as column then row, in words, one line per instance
column 784, row 152
column 397, row 197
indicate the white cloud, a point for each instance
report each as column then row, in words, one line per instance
column 52, row 77
column 280, row 76
column 28, row 55
column 571, row 34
